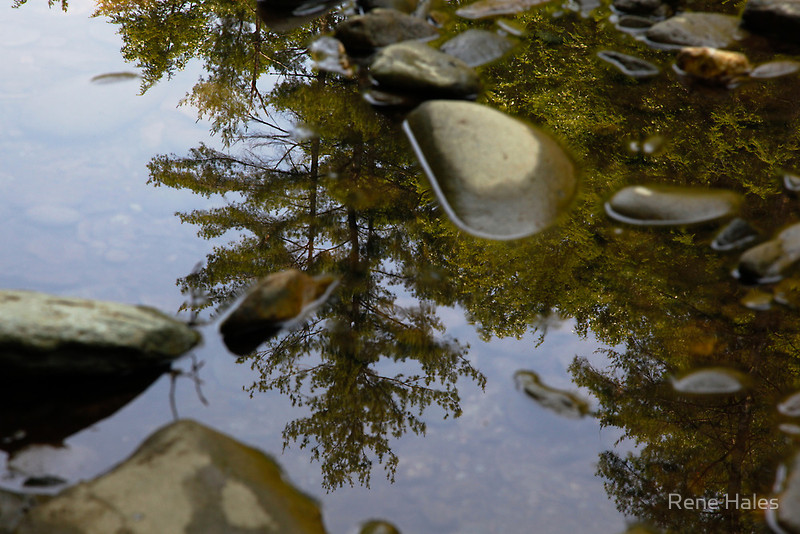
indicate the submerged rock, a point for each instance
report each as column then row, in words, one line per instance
column 494, row 8
column 629, row 65
column 711, row 381
column 634, row 24
column 769, row 261
column 561, row 402
column 773, row 18
column 477, row 47
column 790, row 406
column 791, row 182
column 184, row 478
column 735, row 234
column 713, row 66
column 417, row 68
column 496, row 177
column 274, row 302
column 697, row 29
column 362, row 34
column 48, row 334
column 775, row 69
column 670, row 205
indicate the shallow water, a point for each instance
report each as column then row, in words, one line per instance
column 637, row 306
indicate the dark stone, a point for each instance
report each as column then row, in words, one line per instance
column 641, row 7
column 362, row 34
column 773, row 18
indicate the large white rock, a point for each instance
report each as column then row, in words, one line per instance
column 496, row 177
column 52, row 334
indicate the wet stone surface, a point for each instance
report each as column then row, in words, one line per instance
column 62, row 335
column 271, row 305
column 712, row 381
column 769, row 261
column 713, row 66
column 418, row 69
column 697, row 29
column 477, row 47
column 497, row 177
column 670, row 205
column 362, row 34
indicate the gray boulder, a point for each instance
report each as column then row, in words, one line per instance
column 49, row 334
column 184, row 479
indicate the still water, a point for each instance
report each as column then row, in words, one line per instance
column 112, row 194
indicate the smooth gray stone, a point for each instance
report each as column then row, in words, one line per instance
column 697, row 29
column 362, row 34
column 477, row 47
column 63, row 335
column 417, row 68
column 659, row 205
column 496, row 177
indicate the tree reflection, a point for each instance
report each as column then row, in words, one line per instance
column 347, row 200
column 329, row 201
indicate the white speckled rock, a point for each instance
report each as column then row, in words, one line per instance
column 62, row 335
column 185, row 478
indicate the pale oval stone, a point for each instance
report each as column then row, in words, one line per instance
column 790, row 406
column 629, row 65
column 53, row 334
column 496, row 177
column 477, row 47
column 670, row 205
column 697, row 29
column 711, row 381
column 775, row 69
column 417, row 68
